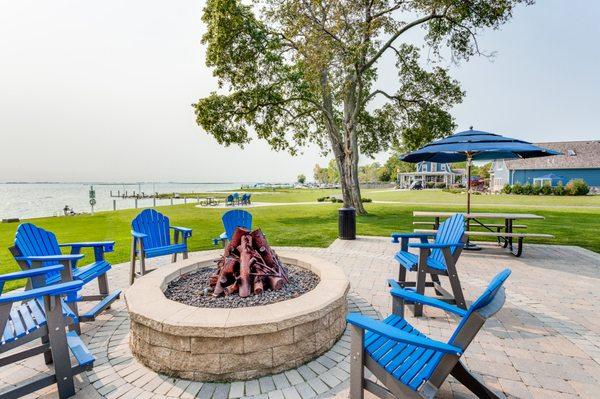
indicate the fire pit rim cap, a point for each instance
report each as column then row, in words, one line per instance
column 188, row 320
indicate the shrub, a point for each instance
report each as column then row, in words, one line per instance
column 366, row 200
column 440, row 185
column 577, row 187
column 430, row 184
column 322, row 199
column 546, row 189
column 517, row 188
column 507, row 189
column 536, row 189
column 559, row 189
column 527, row 189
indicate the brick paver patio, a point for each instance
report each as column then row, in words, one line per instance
column 545, row 343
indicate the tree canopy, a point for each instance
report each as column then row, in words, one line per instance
column 294, row 72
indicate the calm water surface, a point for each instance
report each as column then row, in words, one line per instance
column 45, row 199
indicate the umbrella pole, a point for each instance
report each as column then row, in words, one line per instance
column 468, row 246
column 469, row 162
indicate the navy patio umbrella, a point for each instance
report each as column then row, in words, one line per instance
column 475, row 145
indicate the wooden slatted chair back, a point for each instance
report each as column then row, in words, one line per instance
column 484, row 307
column 451, row 231
column 31, row 240
column 236, row 218
column 156, row 227
column 488, row 304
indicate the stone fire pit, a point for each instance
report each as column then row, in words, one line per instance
column 219, row 344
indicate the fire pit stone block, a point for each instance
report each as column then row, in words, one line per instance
column 219, row 344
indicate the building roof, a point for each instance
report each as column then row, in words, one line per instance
column 576, row 155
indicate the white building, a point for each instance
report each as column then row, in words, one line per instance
column 431, row 172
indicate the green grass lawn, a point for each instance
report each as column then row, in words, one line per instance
column 573, row 220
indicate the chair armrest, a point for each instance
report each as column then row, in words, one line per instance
column 50, row 258
column 30, row 273
column 222, row 237
column 106, row 246
column 412, row 296
column 135, row 234
column 395, row 236
column 397, row 335
column 433, row 245
column 55, row 289
column 184, row 230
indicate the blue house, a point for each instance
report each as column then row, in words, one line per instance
column 579, row 160
column 431, row 172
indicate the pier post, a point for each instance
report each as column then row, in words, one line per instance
column 135, row 203
column 185, row 200
column 171, row 200
column 114, row 205
column 154, row 202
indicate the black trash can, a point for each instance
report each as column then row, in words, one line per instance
column 347, row 223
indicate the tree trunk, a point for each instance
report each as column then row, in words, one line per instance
column 344, row 141
column 349, row 183
column 349, row 167
column 346, row 157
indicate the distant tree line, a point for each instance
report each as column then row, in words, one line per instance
column 369, row 173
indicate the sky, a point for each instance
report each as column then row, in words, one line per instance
column 102, row 91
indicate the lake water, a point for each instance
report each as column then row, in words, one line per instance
column 22, row 200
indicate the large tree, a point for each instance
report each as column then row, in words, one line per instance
column 298, row 71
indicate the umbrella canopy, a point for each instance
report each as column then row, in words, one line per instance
column 476, row 145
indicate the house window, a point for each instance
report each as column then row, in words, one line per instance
column 443, row 167
column 571, row 153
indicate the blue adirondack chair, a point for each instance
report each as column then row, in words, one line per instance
column 229, row 200
column 407, row 362
column 434, row 259
column 40, row 313
column 231, row 220
column 151, row 237
column 35, row 247
column 236, row 198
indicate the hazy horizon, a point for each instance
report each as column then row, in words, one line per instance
column 102, row 91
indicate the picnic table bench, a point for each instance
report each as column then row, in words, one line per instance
column 503, row 232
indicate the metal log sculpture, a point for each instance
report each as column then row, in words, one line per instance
column 248, row 266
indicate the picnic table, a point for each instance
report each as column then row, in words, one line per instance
column 503, row 232
column 209, row 201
